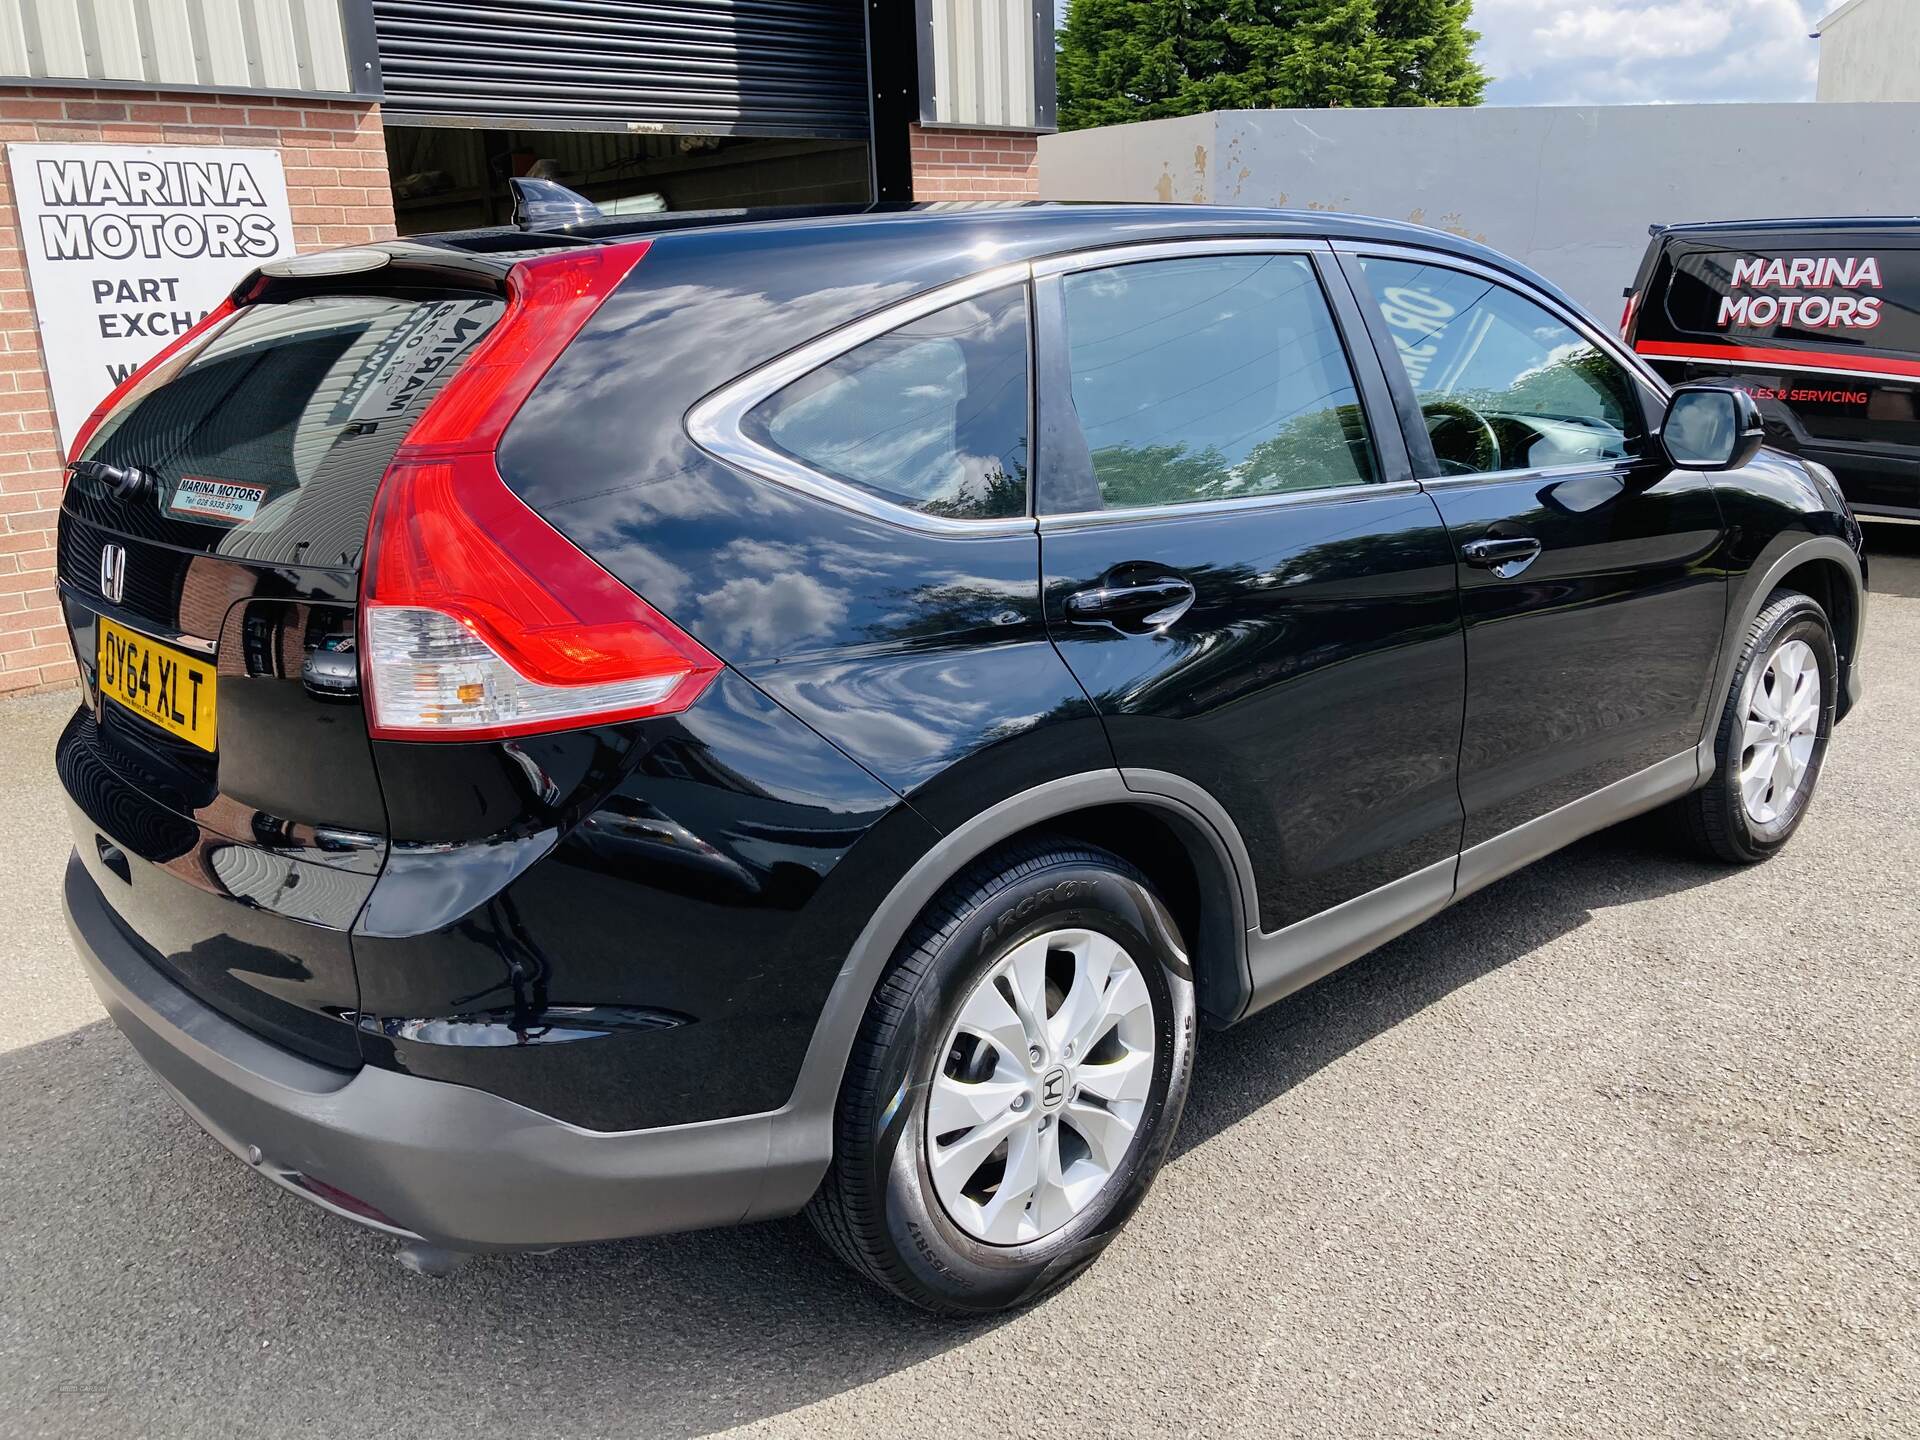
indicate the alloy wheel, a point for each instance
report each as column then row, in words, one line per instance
column 1041, row 1086
column 1783, row 708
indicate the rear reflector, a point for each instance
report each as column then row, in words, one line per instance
column 479, row 620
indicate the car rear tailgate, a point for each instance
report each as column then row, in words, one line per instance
column 225, row 798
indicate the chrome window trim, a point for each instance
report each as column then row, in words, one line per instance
column 1196, row 509
column 1125, row 254
column 716, row 424
column 1543, row 472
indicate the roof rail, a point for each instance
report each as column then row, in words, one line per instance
column 1793, row 222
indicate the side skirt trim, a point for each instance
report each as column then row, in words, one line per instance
column 1292, row 958
column 1283, row 961
column 1645, row 790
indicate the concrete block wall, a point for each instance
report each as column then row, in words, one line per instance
column 1569, row 190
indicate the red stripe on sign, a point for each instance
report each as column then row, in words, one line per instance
column 1789, row 359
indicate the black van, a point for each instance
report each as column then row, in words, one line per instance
column 1818, row 320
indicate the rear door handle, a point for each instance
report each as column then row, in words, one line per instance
column 1136, row 608
column 1505, row 557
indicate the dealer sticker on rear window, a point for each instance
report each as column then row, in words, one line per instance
column 229, row 500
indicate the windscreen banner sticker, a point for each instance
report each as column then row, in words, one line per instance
column 1418, row 319
column 234, row 501
column 1794, row 291
column 406, row 359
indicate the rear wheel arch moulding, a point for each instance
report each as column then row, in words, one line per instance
column 803, row 1144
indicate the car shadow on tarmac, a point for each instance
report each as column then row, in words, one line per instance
column 163, row 1271
column 1264, row 1057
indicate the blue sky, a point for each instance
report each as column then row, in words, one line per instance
column 1619, row 52
column 1611, row 52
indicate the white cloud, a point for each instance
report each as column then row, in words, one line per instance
column 1612, row 52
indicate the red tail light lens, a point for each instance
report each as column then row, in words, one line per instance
column 1628, row 313
column 479, row 620
column 548, row 301
column 156, row 372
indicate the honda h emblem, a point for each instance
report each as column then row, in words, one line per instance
column 113, row 572
column 1053, row 1088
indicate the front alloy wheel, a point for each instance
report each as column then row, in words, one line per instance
column 1773, row 733
column 1783, row 708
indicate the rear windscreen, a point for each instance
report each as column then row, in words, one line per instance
column 1808, row 295
column 270, row 442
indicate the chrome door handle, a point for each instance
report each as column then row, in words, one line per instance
column 1137, row 609
column 1505, row 557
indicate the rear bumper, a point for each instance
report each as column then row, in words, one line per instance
column 449, row 1164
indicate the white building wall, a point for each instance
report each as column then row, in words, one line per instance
column 1568, row 190
column 1870, row 50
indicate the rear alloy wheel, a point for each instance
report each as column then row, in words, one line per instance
column 1016, row 1082
column 1773, row 734
column 1045, row 1080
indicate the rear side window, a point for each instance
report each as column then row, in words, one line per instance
column 1809, row 294
column 270, row 442
column 1212, row 378
column 931, row 416
column 1503, row 383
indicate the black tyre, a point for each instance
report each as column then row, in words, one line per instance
column 1773, row 734
column 1015, row 1084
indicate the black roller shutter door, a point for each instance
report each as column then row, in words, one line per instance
column 749, row 67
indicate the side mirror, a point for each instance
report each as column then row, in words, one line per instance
column 1711, row 427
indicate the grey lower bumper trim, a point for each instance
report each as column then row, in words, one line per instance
column 456, row 1166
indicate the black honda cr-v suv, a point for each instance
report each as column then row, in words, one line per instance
column 597, row 733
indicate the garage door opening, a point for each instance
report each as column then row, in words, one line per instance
column 451, row 178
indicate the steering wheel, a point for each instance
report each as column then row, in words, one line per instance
column 1464, row 441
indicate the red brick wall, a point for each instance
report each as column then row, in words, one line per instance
column 336, row 164
column 974, row 165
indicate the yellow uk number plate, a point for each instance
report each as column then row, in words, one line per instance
column 157, row 683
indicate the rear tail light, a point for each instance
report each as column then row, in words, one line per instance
column 1628, row 313
column 150, row 376
column 479, row 620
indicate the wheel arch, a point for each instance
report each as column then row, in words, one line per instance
column 1822, row 566
column 1171, row 829
column 1839, row 594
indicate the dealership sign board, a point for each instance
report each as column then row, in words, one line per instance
column 127, row 246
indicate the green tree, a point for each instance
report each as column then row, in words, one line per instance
column 1124, row 60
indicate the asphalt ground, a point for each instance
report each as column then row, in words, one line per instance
column 1626, row 1145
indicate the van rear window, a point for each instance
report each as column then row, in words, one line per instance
column 269, row 444
column 1811, row 295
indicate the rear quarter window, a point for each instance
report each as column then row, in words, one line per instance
column 931, row 416
column 1806, row 294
